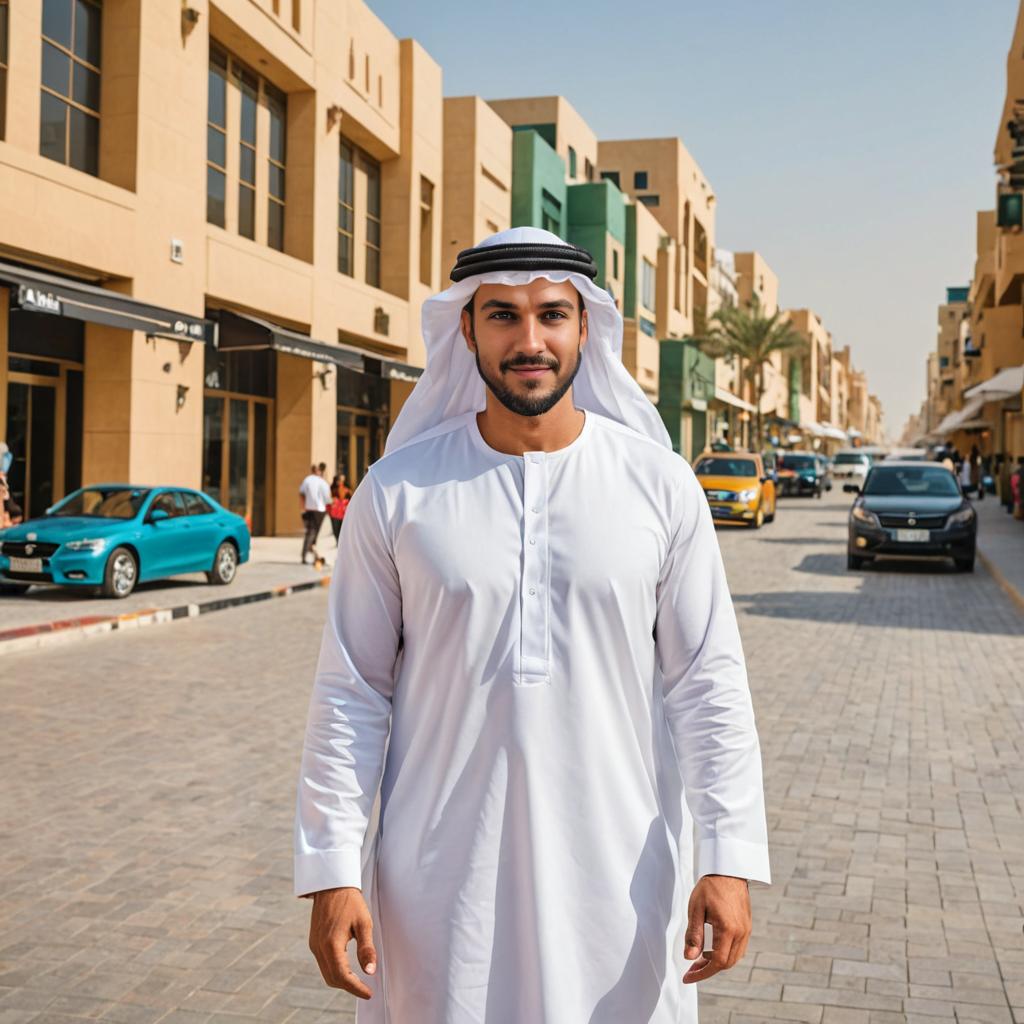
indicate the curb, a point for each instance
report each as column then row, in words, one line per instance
column 64, row 630
column 1011, row 591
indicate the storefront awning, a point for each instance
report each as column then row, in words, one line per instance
column 960, row 418
column 1007, row 383
column 829, row 430
column 726, row 396
column 38, row 292
column 249, row 333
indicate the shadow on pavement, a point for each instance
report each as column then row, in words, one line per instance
column 959, row 612
column 802, row 540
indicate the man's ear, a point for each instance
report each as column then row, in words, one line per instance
column 466, row 327
column 584, row 328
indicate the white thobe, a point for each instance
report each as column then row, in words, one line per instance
column 551, row 641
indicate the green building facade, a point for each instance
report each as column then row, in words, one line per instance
column 597, row 210
column 686, row 383
column 539, row 192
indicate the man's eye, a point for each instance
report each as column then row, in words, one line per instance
column 554, row 313
column 500, row 315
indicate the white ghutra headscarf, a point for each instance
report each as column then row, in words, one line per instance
column 451, row 384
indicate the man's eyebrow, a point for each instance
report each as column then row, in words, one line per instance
column 498, row 304
column 557, row 304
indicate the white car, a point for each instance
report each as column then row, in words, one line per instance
column 850, row 465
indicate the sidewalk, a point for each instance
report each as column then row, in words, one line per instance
column 1001, row 546
column 49, row 614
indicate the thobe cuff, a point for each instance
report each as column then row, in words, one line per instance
column 737, row 857
column 328, row 869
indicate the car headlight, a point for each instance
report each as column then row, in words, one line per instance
column 749, row 494
column 864, row 516
column 961, row 518
column 95, row 545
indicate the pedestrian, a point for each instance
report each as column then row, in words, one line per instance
column 974, row 462
column 314, row 496
column 340, row 495
column 1017, row 488
column 539, row 684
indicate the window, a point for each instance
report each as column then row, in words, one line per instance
column 426, row 230
column 346, row 209
column 639, row 179
column 652, row 200
column 69, row 122
column 277, row 104
column 216, row 138
column 249, row 87
column 254, row 144
column 550, row 212
column 196, row 505
column 647, row 284
column 3, row 64
column 588, row 170
column 572, row 162
column 612, row 176
column 615, row 264
column 372, row 169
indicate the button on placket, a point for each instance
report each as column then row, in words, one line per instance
column 533, row 593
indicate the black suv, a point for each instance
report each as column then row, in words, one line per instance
column 911, row 508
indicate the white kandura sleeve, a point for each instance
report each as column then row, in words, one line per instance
column 350, row 709
column 707, row 698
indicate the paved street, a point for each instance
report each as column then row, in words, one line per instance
column 145, row 827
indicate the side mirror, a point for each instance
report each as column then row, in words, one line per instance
column 157, row 514
column 851, row 488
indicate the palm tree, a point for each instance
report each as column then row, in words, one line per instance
column 751, row 335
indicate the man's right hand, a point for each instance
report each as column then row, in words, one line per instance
column 340, row 915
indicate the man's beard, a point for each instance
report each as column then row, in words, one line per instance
column 528, row 404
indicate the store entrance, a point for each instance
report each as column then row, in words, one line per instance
column 236, row 455
column 43, row 432
column 360, row 443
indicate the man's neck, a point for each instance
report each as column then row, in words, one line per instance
column 512, row 434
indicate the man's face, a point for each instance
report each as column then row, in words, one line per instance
column 528, row 341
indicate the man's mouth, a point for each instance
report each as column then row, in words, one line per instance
column 530, row 372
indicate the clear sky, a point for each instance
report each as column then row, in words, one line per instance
column 850, row 143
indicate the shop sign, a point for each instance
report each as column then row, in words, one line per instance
column 189, row 330
column 34, row 298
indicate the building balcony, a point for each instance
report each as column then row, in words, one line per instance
column 1009, row 271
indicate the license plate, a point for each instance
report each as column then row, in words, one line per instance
column 26, row 565
column 718, row 510
column 912, row 536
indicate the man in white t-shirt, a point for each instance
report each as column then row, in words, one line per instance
column 315, row 496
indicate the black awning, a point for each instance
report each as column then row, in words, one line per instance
column 38, row 292
column 250, row 333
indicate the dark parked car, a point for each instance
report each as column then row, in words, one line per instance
column 911, row 508
column 800, row 473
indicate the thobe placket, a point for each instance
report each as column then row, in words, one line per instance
column 534, row 597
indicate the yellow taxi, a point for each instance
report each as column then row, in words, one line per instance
column 737, row 487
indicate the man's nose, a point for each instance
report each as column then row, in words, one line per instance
column 531, row 338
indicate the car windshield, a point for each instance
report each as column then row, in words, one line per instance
column 726, row 467
column 923, row 481
column 798, row 462
column 851, row 458
column 103, row 503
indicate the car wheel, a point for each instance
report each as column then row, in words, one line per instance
column 965, row 564
column 758, row 521
column 854, row 561
column 770, row 518
column 121, row 573
column 225, row 565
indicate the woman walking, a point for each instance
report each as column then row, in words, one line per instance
column 339, row 503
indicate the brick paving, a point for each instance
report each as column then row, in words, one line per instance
column 145, row 846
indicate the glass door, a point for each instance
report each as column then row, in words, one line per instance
column 236, row 455
column 32, row 436
column 360, row 443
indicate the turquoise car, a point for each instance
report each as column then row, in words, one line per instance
column 113, row 536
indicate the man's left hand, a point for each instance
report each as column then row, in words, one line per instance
column 724, row 903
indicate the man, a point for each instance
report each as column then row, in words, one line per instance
column 534, row 605
column 314, row 497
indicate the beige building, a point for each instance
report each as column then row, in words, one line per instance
column 477, row 175
column 212, row 303
column 662, row 176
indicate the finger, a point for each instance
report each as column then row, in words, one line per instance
column 695, row 928
column 365, row 952
column 342, row 974
column 701, row 970
column 739, row 950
